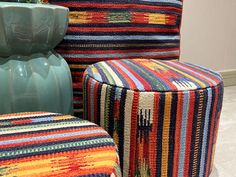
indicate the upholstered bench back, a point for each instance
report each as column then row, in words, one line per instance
column 118, row 29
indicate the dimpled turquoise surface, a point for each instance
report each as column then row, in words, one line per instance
column 32, row 78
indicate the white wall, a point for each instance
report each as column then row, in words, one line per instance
column 209, row 33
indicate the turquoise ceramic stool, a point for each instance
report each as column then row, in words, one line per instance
column 32, row 78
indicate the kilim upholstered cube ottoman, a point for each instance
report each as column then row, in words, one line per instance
column 163, row 115
column 54, row 145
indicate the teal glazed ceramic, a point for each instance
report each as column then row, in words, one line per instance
column 27, row 28
column 32, row 78
column 35, row 83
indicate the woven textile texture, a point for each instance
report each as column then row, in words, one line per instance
column 116, row 29
column 163, row 115
column 48, row 144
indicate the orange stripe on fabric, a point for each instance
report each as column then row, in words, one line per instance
column 197, row 135
column 82, row 152
column 133, row 130
column 177, row 133
column 21, row 114
column 165, row 135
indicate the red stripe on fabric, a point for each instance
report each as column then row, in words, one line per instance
column 4, row 116
column 189, row 132
column 133, row 130
column 77, row 98
column 77, row 79
column 153, row 136
column 210, row 146
column 77, row 74
column 99, row 17
column 118, row 6
column 77, row 85
column 65, row 51
column 15, row 122
column 146, row 85
column 78, row 106
column 85, row 60
column 120, row 29
column 177, row 133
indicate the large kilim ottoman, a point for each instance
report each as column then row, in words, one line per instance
column 163, row 115
column 101, row 30
column 48, row 144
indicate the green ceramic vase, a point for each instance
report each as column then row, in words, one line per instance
column 32, row 76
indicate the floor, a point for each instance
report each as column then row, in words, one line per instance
column 225, row 157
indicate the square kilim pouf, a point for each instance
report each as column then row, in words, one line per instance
column 48, row 144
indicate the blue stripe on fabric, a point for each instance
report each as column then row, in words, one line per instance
column 184, row 122
column 122, row 37
column 175, row 52
column 138, row 84
column 166, row 1
column 206, row 70
column 118, row 93
column 24, row 140
column 43, row 119
column 204, row 143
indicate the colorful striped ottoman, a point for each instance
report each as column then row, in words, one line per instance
column 54, row 145
column 163, row 115
column 101, row 30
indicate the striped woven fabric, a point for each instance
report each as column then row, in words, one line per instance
column 48, row 144
column 117, row 29
column 153, row 75
column 163, row 115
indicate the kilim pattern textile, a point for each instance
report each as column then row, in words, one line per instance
column 54, row 145
column 163, row 115
column 116, row 29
